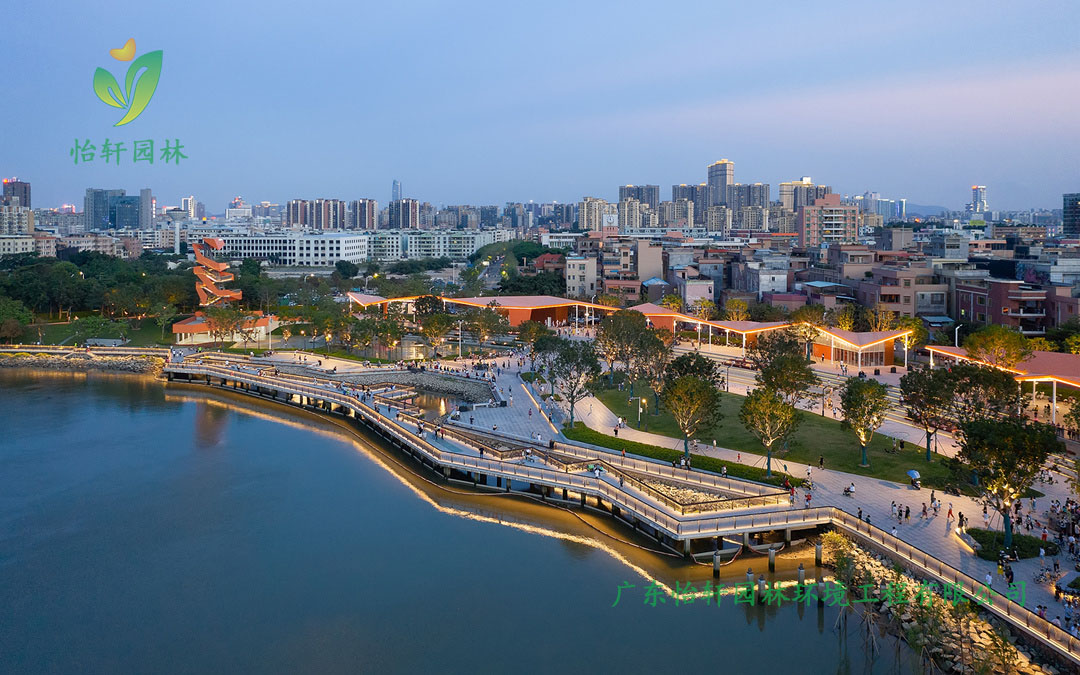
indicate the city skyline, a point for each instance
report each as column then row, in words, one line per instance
column 918, row 102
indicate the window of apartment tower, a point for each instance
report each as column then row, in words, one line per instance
column 907, row 282
column 980, row 301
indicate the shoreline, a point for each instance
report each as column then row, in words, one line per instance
column 83, row 362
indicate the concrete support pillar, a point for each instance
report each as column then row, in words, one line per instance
column 1053, row 403
column 787, row 536
column 817, row 554
column 564, row 494
column 716, row 564
column 749, row 575
column 446, row 472
column 498, row 481
column 821, row 593
column 746, row 539
column 686, row 547
column 761, row 587
column 583, row 499
column 772, row 559
column 802, row 574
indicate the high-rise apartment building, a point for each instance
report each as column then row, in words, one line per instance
column 978, row 200
column 699, row 194
column 363, row 214
column 405, row 214
column 799, row 193
column 14, row 188
column 741, row 195
column 720, row 175
column 630, row 211
column 16, row 219
column 395, row 191
column 591, row 212
column 1070, row 214
column 326, row 214
column 296, row 213
column 646, row 194
column 828, row 221
column 147, row 208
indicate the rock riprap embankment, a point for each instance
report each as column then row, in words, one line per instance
column 82, row 362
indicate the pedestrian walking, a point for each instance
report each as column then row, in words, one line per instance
column 821, row 462
column 907, row 513
column 616, row 431
column 894, row 531
column 989, row 580
column 924, row 514
column 948, row 516
column 860, row 513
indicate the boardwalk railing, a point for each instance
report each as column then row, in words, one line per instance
column 678, row 528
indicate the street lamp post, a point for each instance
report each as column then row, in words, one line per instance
column 727, row 380
column 459, row 324
column 956, row 336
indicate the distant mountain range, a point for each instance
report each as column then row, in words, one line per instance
column 924, row 210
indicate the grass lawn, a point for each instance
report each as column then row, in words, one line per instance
column 1025, row 545
column 582, row 433
column 293, row 328
column 147, row 335
column 816, row 436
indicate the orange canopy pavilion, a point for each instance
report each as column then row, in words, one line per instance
column 516, row 308
column 1053, row 367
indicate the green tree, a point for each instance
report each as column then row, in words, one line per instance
column 927, row 394
column 15, row 310
column 998, row 345
column 656, row 363
column 1041, row 344
column 918, row 335
column 486, row 322
column 865, row 403
column 1009, row 454
column 736, row 310
column 879, row 318
column 574, row 366
column 165, row 315
column 704, row 309
column 11, row 330
column 982, row 393
column 222, row 321
column 780, row 361
column 672, row 302
column 608, row 300
column 693, row 363
column 844, row 316
column 435, row 328
column 1072, row 344
column 808, row 321
column 94, row 326
column 764, row 311
column 427, row 305
column 765, row 414
column 618, row 335
column 695, row 406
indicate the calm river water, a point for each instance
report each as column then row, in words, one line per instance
column 146, row 528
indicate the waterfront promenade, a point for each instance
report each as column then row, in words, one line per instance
column 926, row 544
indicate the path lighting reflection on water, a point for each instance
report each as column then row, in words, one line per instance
column 391, row 469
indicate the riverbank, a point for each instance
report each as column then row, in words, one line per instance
column 81, row 361
column 949, row 629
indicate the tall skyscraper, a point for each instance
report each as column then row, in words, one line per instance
column 124, row 212
column 395, row 191
column 147, row 207
column 646, row 194
column 96, row 208
column 591, row 212
column 720, row 175
column 17, row 188
column 326, row 214
column 978, row 200
column 1070, row 214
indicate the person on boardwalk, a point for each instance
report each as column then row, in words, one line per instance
column 924, row 514
column 808, row 497
column 948, row 516
column 894, row 509
column 616, row 431
column 821, row 462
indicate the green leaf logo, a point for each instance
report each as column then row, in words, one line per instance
column 140, row 83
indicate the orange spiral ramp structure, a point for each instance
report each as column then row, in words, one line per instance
column 210, row 274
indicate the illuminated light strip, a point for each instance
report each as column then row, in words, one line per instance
column 958, row 357
column 538, row 407
column 871, row 344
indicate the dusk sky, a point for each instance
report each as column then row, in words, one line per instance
column 485, row 103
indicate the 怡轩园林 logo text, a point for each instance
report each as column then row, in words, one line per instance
column 139, row 84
